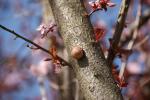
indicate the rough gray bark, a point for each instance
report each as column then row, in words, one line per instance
column 64, row 79
column 94, row 76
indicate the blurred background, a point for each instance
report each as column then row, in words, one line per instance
column 24, row 75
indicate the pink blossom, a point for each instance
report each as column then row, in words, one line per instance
column 42, row 28
column 134, row 68
column 41, row 69
column 46, row 29
column 95, row 5
column 101, row 4
column 13, row 79
column 57, row 68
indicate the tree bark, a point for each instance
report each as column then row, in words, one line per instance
column 92, row 71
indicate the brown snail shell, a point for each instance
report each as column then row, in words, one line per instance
column 77, row 53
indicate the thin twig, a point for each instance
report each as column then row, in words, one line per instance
column 143, row 20
column 144, row 82
column 118, row 30
column 131, row 43
column 36, row 45
column 142, row 41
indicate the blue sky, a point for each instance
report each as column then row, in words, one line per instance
column 17, row 14
column 15, row 20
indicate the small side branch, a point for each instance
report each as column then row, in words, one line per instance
column 118, row 30
column 36, row 45
column 143, row 20
column 131, row 43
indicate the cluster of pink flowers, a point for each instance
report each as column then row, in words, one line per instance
column 45, row 29
column 101, row 4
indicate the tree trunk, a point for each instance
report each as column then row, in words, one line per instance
column 92, row 71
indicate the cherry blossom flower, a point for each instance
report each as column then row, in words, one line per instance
column 95, row 5
column 57, row 68
column 41, row 69
column 101, row 4
column 134, row 68
column 46, row 29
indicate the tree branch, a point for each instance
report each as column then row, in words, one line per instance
column 143, row 20
column 36, row 45
column 131, row 43
column 118, row 30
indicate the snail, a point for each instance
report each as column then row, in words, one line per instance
column 77, row 52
